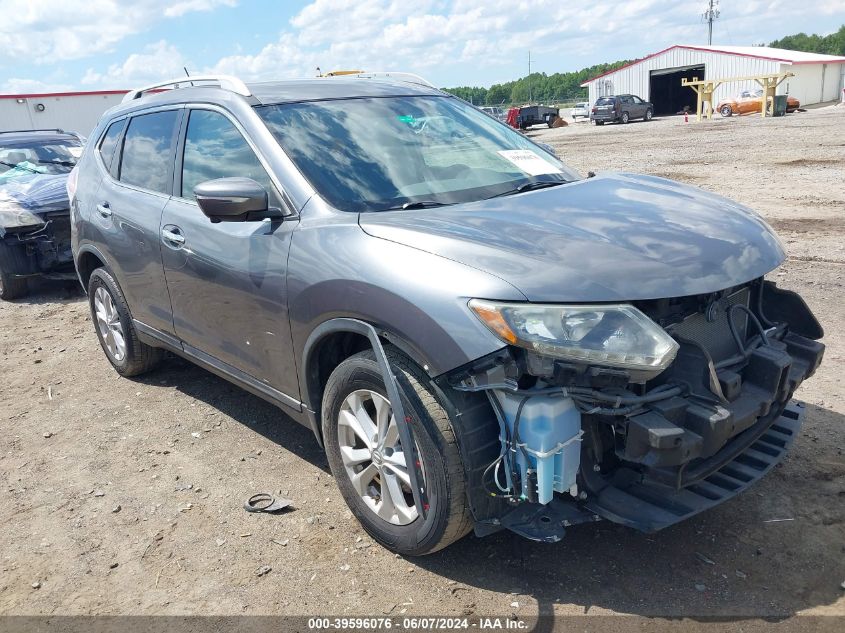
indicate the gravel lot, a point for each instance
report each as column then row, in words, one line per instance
column 124, row 496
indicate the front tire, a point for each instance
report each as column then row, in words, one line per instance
column 113, row 323
column 12, row 287
column 648, row 115
column 368, row 461
column 725, row 111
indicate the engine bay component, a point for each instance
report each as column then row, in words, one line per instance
column 545, row 432
column 579, row 439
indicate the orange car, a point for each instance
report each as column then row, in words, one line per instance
column 749, row 101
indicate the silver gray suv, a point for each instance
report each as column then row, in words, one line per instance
column 479, row 337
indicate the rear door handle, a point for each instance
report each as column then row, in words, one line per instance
column 104, row 209
column 172, row 236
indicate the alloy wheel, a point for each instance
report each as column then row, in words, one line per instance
column 373, row 456
column 109, row 325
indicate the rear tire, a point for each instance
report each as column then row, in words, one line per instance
column 113, row 324
column 12, row 287
column 624, row 118
column 448, row 517
column 13, row 257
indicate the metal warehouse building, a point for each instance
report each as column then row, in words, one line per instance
column 657, row 78
column 71, row 111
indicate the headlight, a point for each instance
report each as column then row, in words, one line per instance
column 611, row 335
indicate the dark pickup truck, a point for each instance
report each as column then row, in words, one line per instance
column 34, row 207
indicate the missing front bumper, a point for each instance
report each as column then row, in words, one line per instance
column 649, row 506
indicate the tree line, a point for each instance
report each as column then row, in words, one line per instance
column 566, row 87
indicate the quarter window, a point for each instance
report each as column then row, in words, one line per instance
column 215, row 149
column 148, row 151
column 109, row 142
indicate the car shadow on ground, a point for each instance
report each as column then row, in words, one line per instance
column 50, row 291
column 731, row 561
column 243, row 407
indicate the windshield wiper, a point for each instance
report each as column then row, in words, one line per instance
column 530, row 186
column 66, row 163
column 21, row 165
column 423, row 204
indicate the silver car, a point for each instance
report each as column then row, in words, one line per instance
column 479, row 337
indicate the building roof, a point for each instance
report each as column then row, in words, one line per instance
column 42, row 95
column 760, row 52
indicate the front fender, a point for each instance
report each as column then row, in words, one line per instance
column 414, row 299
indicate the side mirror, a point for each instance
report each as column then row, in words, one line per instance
column 233, row 200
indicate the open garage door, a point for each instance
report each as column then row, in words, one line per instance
column 666, row 92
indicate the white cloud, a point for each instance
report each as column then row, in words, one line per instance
column 18, row 86
column 468, row 39
column 160, row 60
column 187, row 6
column 420, row 36
column 43, row 32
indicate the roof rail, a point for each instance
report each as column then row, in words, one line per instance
column 226, row 82
column 54, row 129
column 409, row 78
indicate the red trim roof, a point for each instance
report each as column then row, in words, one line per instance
column 91, row 93
column 715, row 50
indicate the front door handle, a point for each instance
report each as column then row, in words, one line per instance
column 172, row 236
column 104, row 209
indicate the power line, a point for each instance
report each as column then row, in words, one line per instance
column 709, row 15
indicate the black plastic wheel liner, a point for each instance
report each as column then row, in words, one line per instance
column 649, row 506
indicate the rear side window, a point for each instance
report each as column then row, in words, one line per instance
column 109, row 142
column 215, row 149
column 148, row 151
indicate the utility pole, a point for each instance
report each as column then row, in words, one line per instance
column 529, row 76
column 711, row 14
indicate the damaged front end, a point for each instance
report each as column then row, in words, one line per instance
column 646, row 413
column 35, row 231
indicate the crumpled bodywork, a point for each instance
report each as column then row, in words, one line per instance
column 25, row 198
column 34, row 222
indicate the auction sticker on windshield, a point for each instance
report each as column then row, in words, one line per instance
column 529, row 162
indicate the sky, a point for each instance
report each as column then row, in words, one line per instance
column 64, row 45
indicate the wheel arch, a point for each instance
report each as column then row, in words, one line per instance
column 331, row 343
column 87, row 261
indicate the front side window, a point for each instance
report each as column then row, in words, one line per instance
column 148, row 151
column 215, row 149
column 109, row 142
column 372, row 154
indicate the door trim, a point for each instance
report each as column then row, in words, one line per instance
column 157, row 338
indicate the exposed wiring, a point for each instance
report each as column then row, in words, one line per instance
column 516, row 438
column 754, row 320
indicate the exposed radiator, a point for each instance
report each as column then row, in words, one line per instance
column 712, row 331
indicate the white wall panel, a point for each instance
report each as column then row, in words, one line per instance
column 635, row 79
column 77, row 113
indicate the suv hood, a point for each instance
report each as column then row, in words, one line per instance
column 25, row 198
column 614, row 237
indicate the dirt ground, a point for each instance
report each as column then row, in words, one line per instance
column 125, row 496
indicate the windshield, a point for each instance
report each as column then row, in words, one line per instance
column 53, row 156
column 382, row 153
